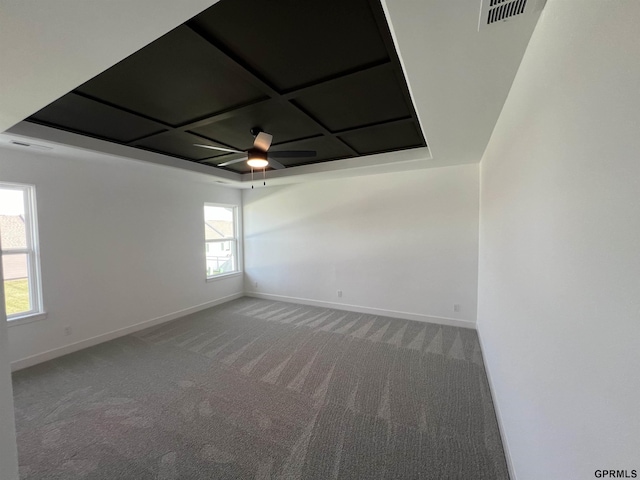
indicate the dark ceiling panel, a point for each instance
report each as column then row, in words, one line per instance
column 370, row 97
column 178, row 144
column 81, row 115
column 318, row 76
column 384, row 138
column 291, row 43
column 279, row 118
column 176, row 79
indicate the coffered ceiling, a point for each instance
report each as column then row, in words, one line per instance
column 458, row 77
column 321, row 76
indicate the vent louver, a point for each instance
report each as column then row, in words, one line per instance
column 493, row 11
column 29, row 145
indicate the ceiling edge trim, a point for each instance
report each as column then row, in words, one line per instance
column 387, row 15
column 42, row 133
column 410, row 159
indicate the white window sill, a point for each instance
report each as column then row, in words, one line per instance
column 224, row 275
column 32, row 317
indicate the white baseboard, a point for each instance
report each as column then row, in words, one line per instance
column 454, row 322
column 496, row 407
column 105, row 337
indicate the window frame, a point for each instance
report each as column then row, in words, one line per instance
column 31, row 250
column 236, row 244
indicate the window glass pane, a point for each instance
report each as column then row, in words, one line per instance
column 218, row 222
column 220, row 258
column 12, row 226
column 16, row 283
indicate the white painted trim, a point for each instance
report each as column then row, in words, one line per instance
column 237, row 239
column 105, row 337
column 237, row 273
column 496, row 408
column 400, row 161
column 407, row 78
column 32, row 248
column 31, row 317
column 72, row 144
column 453, row 322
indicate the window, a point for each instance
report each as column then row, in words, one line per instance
column 20, row 257
column 221, row 239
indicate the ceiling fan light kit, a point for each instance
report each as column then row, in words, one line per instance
column 257, row 159
column 259, row 156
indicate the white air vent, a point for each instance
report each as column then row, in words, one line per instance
column 493, row 12
column 30, row 145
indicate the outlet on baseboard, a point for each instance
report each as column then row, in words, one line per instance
column 339, row 293
column 255, row 284
column 67, row 330
column 456, row 307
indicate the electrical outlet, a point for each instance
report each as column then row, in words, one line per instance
column 339, row 293
column 67, row 331
column 255, row 284
column 456, row 307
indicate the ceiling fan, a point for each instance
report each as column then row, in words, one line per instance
column 259, row 156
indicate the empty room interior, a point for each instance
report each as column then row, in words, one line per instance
column 350, row 239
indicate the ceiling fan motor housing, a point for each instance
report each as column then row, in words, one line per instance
column 255, row 154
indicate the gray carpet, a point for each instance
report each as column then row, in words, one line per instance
column 255, row 389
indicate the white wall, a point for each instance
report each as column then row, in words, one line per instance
column 122, row 242
column 559, row 267
column 404, row 244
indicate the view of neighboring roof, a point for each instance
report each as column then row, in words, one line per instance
column 216, row 229
column 13, row 231
column 13, row 235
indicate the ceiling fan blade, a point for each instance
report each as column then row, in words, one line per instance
column 231, row 162
column 293, row 154
column 275, row 164
column 262, row 141
column 217, row 148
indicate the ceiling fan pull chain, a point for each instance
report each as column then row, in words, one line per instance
column 264, row 176
column 251, row 177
